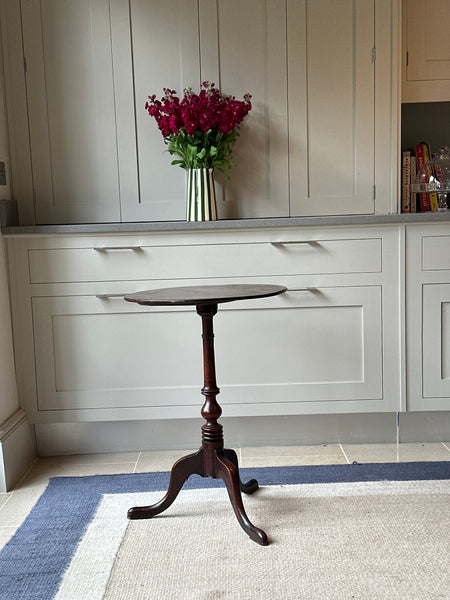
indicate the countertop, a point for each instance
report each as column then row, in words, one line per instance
column 148, row 226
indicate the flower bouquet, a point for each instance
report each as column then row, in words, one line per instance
column 200, row 130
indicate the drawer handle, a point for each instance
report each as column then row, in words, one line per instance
column 312, row 290
column 106, row 296
column 108, row 248
column 288, row 242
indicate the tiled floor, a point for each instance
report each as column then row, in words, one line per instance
column 15, row 505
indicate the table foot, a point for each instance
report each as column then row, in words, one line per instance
column 181, row 470
column 250, row 486
column 225, row 467
column 227, row 470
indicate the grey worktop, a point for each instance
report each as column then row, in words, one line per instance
column 149, row 226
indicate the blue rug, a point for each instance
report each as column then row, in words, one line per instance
column 34, row 561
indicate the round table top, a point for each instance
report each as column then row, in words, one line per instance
column 203, row 294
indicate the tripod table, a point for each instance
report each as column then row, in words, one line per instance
column 212, row 460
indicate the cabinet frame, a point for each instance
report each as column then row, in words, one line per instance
column 428, row 286
column 418, row 88
column 379, row 390
column 385, row 130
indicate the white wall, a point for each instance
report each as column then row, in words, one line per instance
column 16, row 440
column 5, row 191
column 8, row 392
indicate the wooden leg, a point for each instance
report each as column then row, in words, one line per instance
column 181, row 470
column 212, row 460
column 227, row 471
column 251, row 485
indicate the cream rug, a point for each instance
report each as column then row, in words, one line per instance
column 339, row 532
column 373, row 541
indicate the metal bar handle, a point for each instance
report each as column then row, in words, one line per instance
column 312, row 290
column 108, row 248
column 106, row 296
column 288, row 242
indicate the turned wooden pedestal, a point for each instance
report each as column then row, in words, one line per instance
column 212, row 460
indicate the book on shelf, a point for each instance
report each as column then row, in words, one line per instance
column 420, row 157
column 413, row 195
column 406, row 181
column 412, row 160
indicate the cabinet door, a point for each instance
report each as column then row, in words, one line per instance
column 436, row 346
column 70, row 96
column 428, row 317
column 428, row 40
column 426, row 44
column 331, row 106
column 309, row 351
column 155, row 45
column 243, row 49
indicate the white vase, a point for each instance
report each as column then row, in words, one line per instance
column 201, row 195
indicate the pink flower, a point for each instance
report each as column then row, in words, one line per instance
column 207, row 117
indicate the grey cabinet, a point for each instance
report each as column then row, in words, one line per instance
column 309, row 146
column 71, row 111
column 328, row 345
column 428, row 317
column 426, row 51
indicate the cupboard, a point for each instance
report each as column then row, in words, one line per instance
column 426, row 51
column 428, row 317
column 319, row 139
column 330, row 344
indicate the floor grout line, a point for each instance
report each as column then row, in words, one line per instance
column 344, row 453
column 8, row 500
column 22, row 479
column 136, row 462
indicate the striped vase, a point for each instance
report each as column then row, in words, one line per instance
column 201, row 195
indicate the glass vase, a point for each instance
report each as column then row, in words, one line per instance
column 201, row 195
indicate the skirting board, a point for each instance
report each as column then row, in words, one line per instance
column 17, row 449
column 128, row 436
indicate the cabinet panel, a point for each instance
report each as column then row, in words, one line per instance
column 71, row 110
column 155, row 45
column 98, row 353
column 322, row 348
column 436, row 343
column 428, row 317
column 426, row 51
column 436, row 253
column 248, row 54
column 147, row 262
column 339, row 133
column 428, row 42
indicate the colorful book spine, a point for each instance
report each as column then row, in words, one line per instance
column 406, row 181
column 413, row 198
column 424, row 200
column 432, row 196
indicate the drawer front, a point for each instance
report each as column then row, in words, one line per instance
column 436, row 253
column 127, row 263
column 322, row 349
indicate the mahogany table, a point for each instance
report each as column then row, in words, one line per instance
column 212, row 460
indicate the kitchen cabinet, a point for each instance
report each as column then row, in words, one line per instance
column 328, row 345
column 320, row 72
column 155, row 45
column 426, row 51
column 72, row 121
column 331, row 107
column 428, row 318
